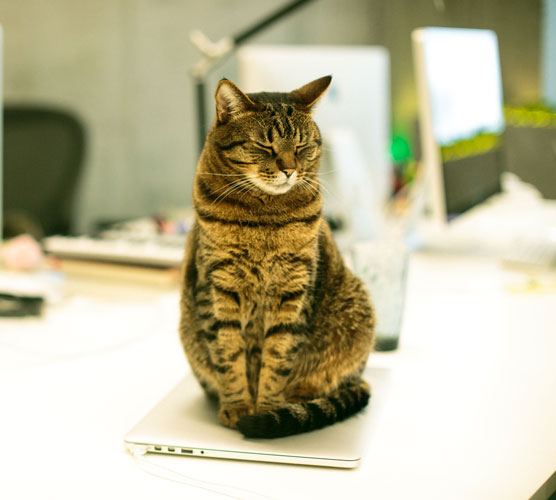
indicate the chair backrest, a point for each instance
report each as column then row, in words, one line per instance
column 43, row 156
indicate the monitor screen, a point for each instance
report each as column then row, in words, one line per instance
column 463, row 76
column 461, row 115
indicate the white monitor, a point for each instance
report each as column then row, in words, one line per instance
column 460, row 114
column 353, row 116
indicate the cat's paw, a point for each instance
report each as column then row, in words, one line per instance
column 264, row 406
column 230, row 414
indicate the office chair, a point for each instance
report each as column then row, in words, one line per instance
column 43, row 156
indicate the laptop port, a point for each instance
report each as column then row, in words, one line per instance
column 186, row 451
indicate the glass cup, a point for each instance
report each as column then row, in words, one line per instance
column 382, row 266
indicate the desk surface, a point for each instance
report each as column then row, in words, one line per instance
column 469, row 411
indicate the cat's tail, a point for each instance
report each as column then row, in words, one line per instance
column 295, row 418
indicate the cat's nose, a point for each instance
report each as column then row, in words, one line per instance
column 286, row 163
column 288, row 172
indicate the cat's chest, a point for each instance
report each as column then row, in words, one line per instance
column 274, row 270
column 256, row 276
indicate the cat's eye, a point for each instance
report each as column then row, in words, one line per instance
column 268, row 149
column 300, row 148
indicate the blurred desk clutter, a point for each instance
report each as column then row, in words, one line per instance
column 517, row 227
column 20, row 305
column 148, row 249
column 144, row 252
column 157, row 241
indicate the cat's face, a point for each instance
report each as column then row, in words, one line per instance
column 268, row 141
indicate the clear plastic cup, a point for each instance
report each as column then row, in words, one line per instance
column 382, row 266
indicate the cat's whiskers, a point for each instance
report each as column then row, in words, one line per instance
column 330, row 170
column 313, row 183
column 223, row 188
column 319, row 184
column 235, row 181
column 245, row 189
column 235, row 186
column 226, row 189
column 240, row 185
column 308, row 187
column 324, row 187
column 223, row 195
column 222, row 175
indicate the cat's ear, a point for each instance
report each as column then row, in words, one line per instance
column 309, row 94
column 230, row 101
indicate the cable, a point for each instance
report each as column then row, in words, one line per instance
column 226, row 490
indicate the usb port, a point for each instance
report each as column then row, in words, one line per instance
column 185, row 450
column 171, row 449
column 157, row 448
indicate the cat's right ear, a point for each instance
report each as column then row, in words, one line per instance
column 308, row 95
column 230, row 101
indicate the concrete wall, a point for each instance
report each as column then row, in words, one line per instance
column 123, row 65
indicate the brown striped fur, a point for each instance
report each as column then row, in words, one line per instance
column 272, row 322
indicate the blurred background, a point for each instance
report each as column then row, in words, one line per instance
column 123, row 67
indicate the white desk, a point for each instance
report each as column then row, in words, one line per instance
column 470, row 409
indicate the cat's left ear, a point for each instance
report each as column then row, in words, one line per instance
column 308, row 95
column 231, row 101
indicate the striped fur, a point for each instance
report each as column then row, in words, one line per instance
column 272, row 322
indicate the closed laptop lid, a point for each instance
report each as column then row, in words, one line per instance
column 185, row 422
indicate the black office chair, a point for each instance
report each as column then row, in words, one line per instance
column 43, row 156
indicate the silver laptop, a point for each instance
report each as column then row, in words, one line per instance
column 185, row 423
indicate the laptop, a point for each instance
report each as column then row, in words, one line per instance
column 185, row 423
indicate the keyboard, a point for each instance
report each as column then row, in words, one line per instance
column 523, row 253
column 150, row 250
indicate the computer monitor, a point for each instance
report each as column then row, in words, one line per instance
column 461, row 117
column 353, row 116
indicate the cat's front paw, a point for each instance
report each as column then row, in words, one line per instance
column 230, row 414
column 265, row 405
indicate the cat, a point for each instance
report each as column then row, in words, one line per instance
column 274, row 325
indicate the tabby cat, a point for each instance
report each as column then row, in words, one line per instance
column 274, row 326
